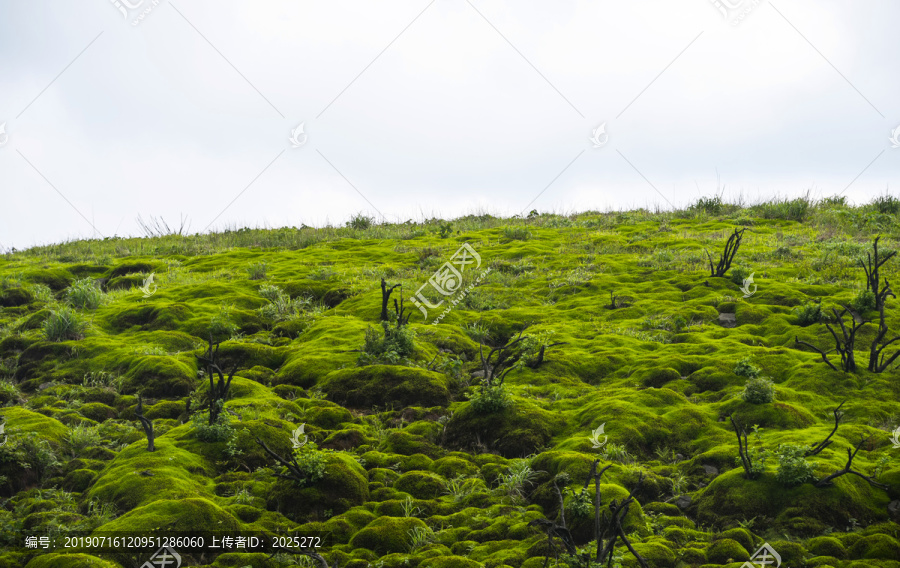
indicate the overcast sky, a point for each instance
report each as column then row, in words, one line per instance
column 414, row 109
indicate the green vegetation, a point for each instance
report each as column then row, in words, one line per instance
column 287, row 392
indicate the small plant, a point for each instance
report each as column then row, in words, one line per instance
column 746, row 369
column 409, row 508
column 489, row 400
column 257, row 271
column 739, row 274
column 360, row 222
column 709, row 205
column 793, row 469
column 281, row 307
column 461, row 487
column 391, row 347
column 310, row 462
column 478, row 332
column 42, row 292
column 219, row 431
column 809, row 313
column 419, row 537
column 103, row 379
column 616, row 452
column 886, row 204
column 679, row 483
column 516, row 233
column 445, row 230
column 84, row 294
column 864, row 301
column 513, row 482
column 753, row 461
column 64, row 324
column 758, row 391
column 9, row 392
column 580, row 505
column 30, row 452
column 80, row 438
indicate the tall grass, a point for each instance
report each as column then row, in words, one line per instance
column 64, row 324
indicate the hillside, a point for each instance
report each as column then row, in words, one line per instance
column 583, row 355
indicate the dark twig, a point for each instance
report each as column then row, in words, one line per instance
column 743, row 450
column 385, row 296
column 725, row 259
column 826, row 481
column 827, row 441
column 146, row 424
column 218, row 391
column 819, row 351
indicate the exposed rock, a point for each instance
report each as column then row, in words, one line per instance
column 727, row 320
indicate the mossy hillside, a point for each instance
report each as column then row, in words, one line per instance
column 656, row 369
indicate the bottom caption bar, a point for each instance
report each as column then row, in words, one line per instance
column 193, row 541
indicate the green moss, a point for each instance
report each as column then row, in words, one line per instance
column 876, row 546
column 387, row 534
column 344, row 485
column 451, row 466
column 826, row 546
column 420, row 484
column 404, row 443
column 726, row 550
column 513, row 432
column 328, row 417
column 12, row 297
column 137, row 477
column 97, row 411
column 175, row 515
column 78, row 480
column 742, row 536
column 383, row 385
column 160, row 377
column 171, row 409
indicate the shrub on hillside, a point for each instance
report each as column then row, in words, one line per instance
column 84, row 294
column 64, row 324
column 793, row 469
column 758, row 391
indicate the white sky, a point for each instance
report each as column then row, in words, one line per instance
column 431, row 109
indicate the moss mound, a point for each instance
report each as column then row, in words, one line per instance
column 385, row 385
column 516, row 431
column 387, row 534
